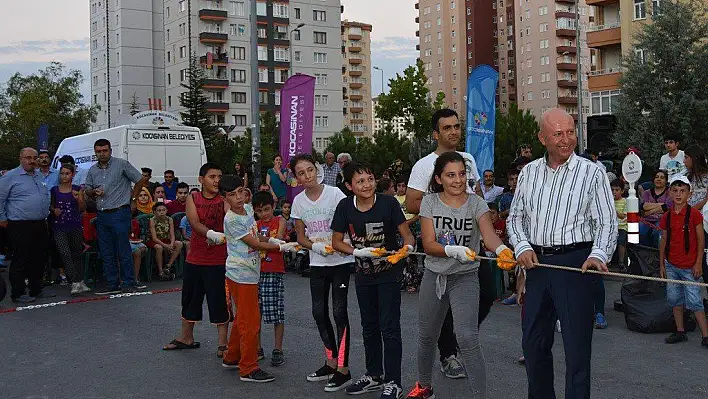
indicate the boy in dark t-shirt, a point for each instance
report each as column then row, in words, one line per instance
column 370, row 221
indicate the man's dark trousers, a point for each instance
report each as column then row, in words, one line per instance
column 567, row 296
column 29, row 255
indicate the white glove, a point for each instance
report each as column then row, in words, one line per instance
column 273, row 240
column 288, row 247
column 367, row 252
column 462, row 254
column 320, row 249
column 215, row 238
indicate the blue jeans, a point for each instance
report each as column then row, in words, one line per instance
column 648, row 236
column 679, row 294
column 113, row 231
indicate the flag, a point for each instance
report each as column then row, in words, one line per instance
column 481, row 107
column 297, row 100
column 43, row 137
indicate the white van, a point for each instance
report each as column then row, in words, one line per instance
column 156, row 140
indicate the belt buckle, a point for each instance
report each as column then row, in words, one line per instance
column 548, row 251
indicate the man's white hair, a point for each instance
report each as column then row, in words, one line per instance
column 344, row 155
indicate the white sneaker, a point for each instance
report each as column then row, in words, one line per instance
column 76, row 288
column 84, row 287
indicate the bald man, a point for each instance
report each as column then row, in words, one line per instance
column 563, row 214
column 24, row 207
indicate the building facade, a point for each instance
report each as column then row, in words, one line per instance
column 356, row 78
column 127, row 57
column 505, row 52
column 397, row 124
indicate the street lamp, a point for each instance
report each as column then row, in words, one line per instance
column 290, row 36
column 383, row 91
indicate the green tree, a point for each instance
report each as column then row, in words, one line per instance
column 53, row 97
column 270, row 144
column 666, row 92
column 410, row 99
column 344, row 141
column 513, row 128
column 134, row 104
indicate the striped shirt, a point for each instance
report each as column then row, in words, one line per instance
column 569, row 205
column 115, row 179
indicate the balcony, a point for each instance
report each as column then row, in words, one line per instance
column 354, row 36
column 354, row 61
column 355, row 73
column 565, row 32
column 356, row 121
column 217, row 59
column 417, row 6
column 565, row 14
column 355, row 49
column 566, row 49
column 356, row 110
column 568, row 100
column 356, row 97
column 567, row 83
column 601, row 2
column 417, row 20
column 356, row 85
column 566, row 1
column 604, row 35
column 417, row 47
column 216, row 84
column 210, row 37
column 214, row 106
column 213, row 15
column 567, row 66
column 604, row 79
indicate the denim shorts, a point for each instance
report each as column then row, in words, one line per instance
column 134, row 246
column 680, row 294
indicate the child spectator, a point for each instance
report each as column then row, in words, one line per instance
column 137, row 248
column 371, row 221
column 162, row 240
column 621, row 209
column 512, row 177
column 144, row 204
column 186, row 231
column 242, row 277
column 90, row 235
column 159, row 195
column 385, row 186
column 271, row 286
column 499, row 225
column 681, row 258
column 411, row 273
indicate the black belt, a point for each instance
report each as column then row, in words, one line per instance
column 114, row 209
column 561, row 249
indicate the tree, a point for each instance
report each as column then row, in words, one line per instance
column 666, row 92
column 270, row 143
column 194, row 101
column 513, row 128
column 134, row 104
column 410, row 99
column 53, row 97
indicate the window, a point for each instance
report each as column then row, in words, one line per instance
column 296, row 35
column 297, row 56
column 182, row 29
column 238, row 53
column 439, row 50
column 529, row 96
column 280, row 10
column 263, row 75
column 543, row 44
column 169, row 56
column 281, row 54
column 238, row 97
column 439, row 35
column 277, row 101
column 238, row 76
column 263, row 97
column 439, row 21
column 453, row 34
column 322, row 100
column 261, row 9
column 640, row 9
column 452, row 19
column 541, row 28
column 641, row 54
column 452, row 5
column 320, row 58
column 604, row 102
column 240, row 120
column 321, row 79
column 437, row 7
column 281, row 75
column 262, row 53
column 320, row 37
column 542, row 10
column 454, row 48
column 529, row 79
column 440, row 78
column 167, row 12
column 182, row 75
column 454, row 62
column 182, row 6
column 319, row 15
column 297, row 13
column 169, row 79
column 322, row 121
column 656, row 7
column 237, row 8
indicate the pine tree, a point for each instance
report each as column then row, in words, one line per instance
column 134, row 104
column 194, row 101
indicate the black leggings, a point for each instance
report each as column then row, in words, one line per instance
column 336, row 279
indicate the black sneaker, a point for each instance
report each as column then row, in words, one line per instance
column 704, row 342
column 676, row 337
column 229, row 365
column 323, row 374
column 258, row 375
column 364, row 385
column 338, row 382
column 391, row 390
column 108, row 291
column 261, row 354
column 139, row 285
column 277, row 358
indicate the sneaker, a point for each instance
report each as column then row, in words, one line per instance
column 84, row 287
column 704, row 342
column 419, row 392
column 44, row 294
column 338, row 382
column 323, row 374
column 391, row 390
column 75, row 288
column 364, row 385
column 522, row 360
column 600, row 321
column 676, row 337
column 229, row 365
column 452, row 368
column 510, row 301
column 24, row 299
column 63, row 281
column 258, row 375
column 277, row 358
column 261, row 354
column 140, row 285
column 108, row 291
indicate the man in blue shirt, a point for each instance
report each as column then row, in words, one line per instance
column 24, row 207
column 49, row 176
column 170, row 185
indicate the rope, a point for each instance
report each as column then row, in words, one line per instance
column 593, row 271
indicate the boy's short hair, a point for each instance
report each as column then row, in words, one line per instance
column 383, row 184
column 170, row 171
column 512, row 172
column 355, row 167
column 228, row 183
column 673, row 136
column 146, row 170
column 262, row 198
column 617, row 183
column 493, row 206
column 207, row 167
column 157, row 205
column 301, row 157
column 182, row 185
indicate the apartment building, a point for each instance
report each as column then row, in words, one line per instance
column 127, row 57
column 547, row 56
column 218, row 34
column 505, row 59
column 356, row 78
column 397, row 124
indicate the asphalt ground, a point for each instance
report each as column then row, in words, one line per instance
column 112, row 349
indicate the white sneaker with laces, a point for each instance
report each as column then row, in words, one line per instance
column 391, row 390
column 84, row 287
column 76, row 289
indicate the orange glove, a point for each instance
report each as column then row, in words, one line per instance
column 505, row 258
column 379, row 251
column 329, row 249
column 400, row 254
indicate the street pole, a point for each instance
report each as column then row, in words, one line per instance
column 290, row 36
column 383, row 91
column 255, row 107
column 579, row 52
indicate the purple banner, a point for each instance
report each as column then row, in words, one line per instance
column 297, row 100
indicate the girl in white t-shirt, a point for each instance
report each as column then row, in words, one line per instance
column 313, row 210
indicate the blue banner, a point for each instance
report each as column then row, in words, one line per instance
column 43, row 137
column 481, row 107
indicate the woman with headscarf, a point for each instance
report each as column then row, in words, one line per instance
column 144, row 204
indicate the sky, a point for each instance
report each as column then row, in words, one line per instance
column 59, row 31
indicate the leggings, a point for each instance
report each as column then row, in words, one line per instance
column 70, row 245
column 462, row 295
column 322, row 280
